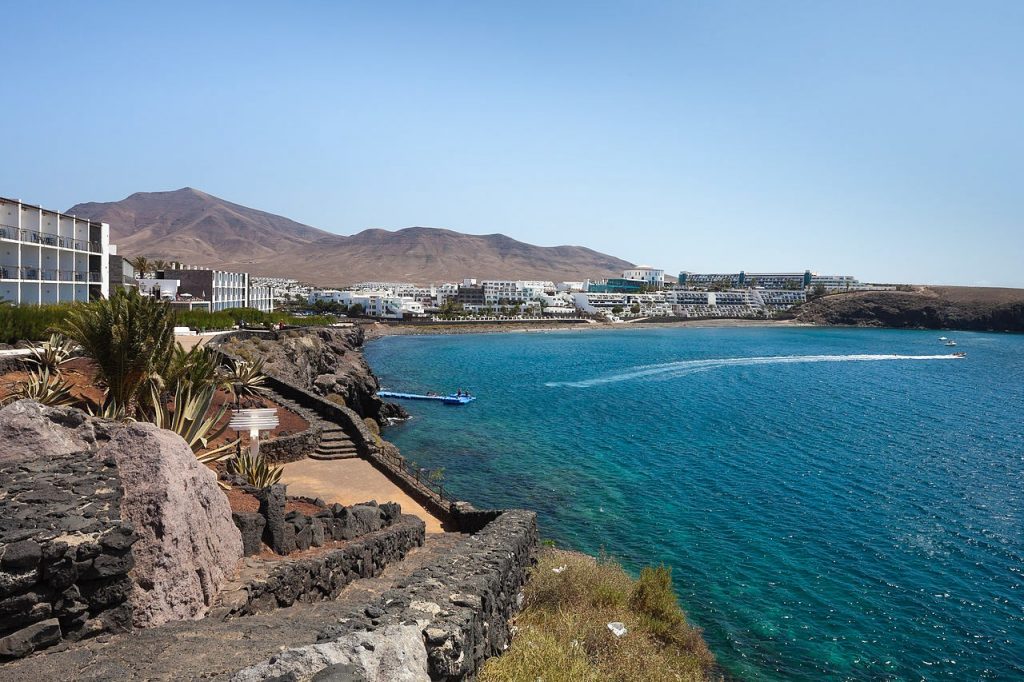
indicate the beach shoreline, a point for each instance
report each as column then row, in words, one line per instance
column 379, row 330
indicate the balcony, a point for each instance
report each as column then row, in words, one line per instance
column 46, row 239
column 35, row 274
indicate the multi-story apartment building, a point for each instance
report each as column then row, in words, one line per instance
column 221, row 288
column 49, row 257
column 260, row 297
column 789, row 281
column 122, row 274
column 606, row 302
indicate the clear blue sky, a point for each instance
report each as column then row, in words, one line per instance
column 881, row 139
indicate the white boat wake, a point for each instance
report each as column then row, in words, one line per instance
column 683, row 367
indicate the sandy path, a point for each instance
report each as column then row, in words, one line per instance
column 350, row 481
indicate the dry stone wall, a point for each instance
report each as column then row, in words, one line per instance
column 266, row 585
column 103, row 525
column 65, row 552
column 442, row 623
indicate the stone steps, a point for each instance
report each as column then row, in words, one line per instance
column 335, row 444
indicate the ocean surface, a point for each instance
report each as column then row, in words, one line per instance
column 835, row 503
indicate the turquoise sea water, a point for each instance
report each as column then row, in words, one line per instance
column 853, row 516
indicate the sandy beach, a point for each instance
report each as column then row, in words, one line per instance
column 379, row 329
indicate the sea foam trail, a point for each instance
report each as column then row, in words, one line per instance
column 671, row 370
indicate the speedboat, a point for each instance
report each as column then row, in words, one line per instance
column 942, row 338
column 951, row 342
column 960, row 354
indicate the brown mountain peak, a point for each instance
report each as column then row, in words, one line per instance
column 194, row 227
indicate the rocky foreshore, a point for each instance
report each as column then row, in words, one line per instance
column 966, row 308
column 326, row 361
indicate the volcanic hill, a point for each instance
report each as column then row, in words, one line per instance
column 196, row 228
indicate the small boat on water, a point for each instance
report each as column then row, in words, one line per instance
column 460, row 398
column 943, row 338
column 951, row 342
column 960, row 354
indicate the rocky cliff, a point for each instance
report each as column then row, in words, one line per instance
column 970, row 308
column 325, row 361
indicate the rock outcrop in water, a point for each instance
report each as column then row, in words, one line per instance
column 326, row 361
column 970, row 308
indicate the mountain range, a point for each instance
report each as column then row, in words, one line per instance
column 196, row 228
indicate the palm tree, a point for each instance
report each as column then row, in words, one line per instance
column 129, row 337
column 159, row 265
column 141, row 265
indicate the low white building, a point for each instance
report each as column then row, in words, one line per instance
column 383, row 303
column 649, row 304
column 645, row 274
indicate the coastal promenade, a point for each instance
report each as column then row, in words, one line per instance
column 351, row 481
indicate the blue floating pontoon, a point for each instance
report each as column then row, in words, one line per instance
column 446, row 399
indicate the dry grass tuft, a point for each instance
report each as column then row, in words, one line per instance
column 562, row 631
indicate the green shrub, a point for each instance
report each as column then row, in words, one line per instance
column 128, row 337
column 31, row 322
column 202, row 320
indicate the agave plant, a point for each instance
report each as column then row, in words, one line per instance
column 189, row 419
column 51, row 354
column 44, row 387
column 128, row 336
column 111, row 410
column 256, row 470
column 244, row 378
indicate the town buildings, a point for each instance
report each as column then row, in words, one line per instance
column 49, row 257
column 194, row 287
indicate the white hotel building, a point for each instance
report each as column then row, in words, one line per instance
column 49, row 257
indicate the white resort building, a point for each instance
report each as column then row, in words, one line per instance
column 49, row 257
column 645, row 274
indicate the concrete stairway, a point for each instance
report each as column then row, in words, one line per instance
column 335, row 444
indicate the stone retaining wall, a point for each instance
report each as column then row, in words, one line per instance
column 64, row 552
column 267, row 585
column 441, row 624
column 284, row 449
column 287, row 531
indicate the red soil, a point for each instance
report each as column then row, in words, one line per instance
column 242, row 501
column 80, row 373
column 304, row 507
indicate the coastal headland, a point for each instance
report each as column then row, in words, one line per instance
column 333, row 585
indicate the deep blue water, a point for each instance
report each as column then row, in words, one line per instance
column 842, row 519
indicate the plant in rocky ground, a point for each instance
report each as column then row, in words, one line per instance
column 51, row 354
column 110, row 410
column 44, row 387
column 244, row 378
column 128, row 336
column 255, row 469
column 189, row 419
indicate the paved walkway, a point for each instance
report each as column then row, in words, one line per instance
column 210, row 649
column 350, row 481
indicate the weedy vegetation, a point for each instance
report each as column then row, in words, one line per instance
column 562, row 632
